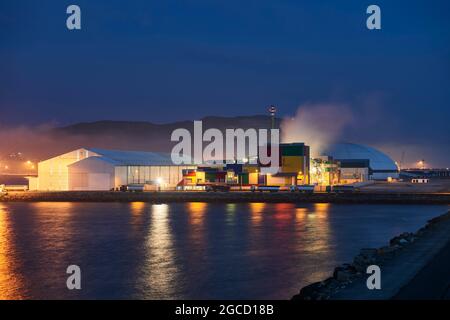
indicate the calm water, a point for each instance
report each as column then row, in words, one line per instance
column 192, row 250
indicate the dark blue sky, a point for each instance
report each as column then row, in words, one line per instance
column 174, row 60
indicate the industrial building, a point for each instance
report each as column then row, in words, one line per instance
column 325, row 171
column 91, row 169
column 293, row 170
column 361, row 163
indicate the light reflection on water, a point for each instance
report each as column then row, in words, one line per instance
column 159, row 266
column 11, row 281
column 190, row 250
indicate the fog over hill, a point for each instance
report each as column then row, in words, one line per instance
column 44, row 142
column 149, row 136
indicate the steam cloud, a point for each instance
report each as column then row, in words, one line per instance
column 317, row 125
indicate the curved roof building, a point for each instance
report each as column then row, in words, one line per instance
column 381, row 166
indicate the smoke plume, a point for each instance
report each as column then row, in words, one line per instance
column 317, row 125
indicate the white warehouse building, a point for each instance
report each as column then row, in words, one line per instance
column 92, row 169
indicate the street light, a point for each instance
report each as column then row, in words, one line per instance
column 159, row 182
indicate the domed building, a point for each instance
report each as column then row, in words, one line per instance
column 350, row 155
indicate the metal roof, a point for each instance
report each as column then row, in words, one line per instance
column 133, row 158
column 350, row 151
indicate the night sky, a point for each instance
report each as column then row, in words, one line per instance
column 162, row 61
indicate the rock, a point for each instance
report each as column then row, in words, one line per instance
column 344, row 273
column 368, row 251
column 347, row 273
column 318, row 290
column 365, row 258
column 421, row 231
column 402, row 239
column 386, row 250
column 342, row 276
column 310, row 292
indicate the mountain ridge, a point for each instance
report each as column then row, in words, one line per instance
column 220, row 122
column 144, row 135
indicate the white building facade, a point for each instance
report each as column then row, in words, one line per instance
column 92, row 169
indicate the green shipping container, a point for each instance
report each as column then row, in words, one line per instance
column 292, row 150
column 210, row 176
column 243, row 178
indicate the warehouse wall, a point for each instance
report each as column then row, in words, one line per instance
column 352, row 175
column 384, row 175
column 91, row 174
column 120, row 176
column 54, row 174
column 33, row 183
column 170, row 175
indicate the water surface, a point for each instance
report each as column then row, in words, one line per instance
column 187, row 250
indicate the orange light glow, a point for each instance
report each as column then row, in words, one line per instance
column 11, row 283
column 300, row 213
column 197, row 212
column 322, row 207
column 137, row 207
column 257, row 209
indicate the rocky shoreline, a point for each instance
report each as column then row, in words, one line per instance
column 227, row 197
column 349, row 273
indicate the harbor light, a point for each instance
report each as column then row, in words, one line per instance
column 421, row 164
column 159, row 182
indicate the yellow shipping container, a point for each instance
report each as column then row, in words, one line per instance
column 292, row 164
column 253, row 178
column 200, row 176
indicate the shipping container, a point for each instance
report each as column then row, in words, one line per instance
column 243, row 178
column 296, row 149
column 253, row 178
column 292, row 164
column 210, row 177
